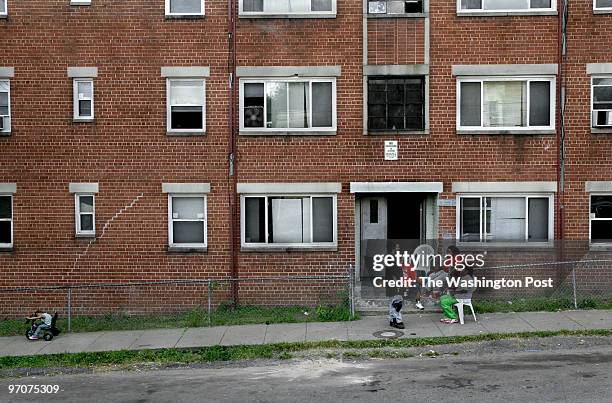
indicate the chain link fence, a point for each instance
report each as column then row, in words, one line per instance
column 188, row 303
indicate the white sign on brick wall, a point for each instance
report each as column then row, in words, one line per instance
column 391, row 150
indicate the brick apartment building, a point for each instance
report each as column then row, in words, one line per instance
column 195, row 139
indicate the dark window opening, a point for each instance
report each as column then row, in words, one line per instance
column 373, row 211
column 187, row 117
column 396, row 103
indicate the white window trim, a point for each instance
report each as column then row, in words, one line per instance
column 594, row 77
column 303, row 245
column 75, row 100
column 8, row 245
column 78, row 213
column 482, row 79
column 169, row 128
column 202, row 9
column 525, row 242
column 7, row 117
column 552, row 8
column 301, row 14
column 591, row 219
column 171, row 220
column 601, row 9
column 80, row 2
column 281, row 130
column 5, row 13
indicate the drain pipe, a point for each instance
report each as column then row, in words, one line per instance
column 232, row 168
column 562, row 49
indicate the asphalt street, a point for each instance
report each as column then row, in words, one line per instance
column 561, row 374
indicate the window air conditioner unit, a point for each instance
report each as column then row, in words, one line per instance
column 602, row 118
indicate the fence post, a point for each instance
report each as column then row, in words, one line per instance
column 352, row 290
column 209, row 300
column 574, row 284
column 69, row 309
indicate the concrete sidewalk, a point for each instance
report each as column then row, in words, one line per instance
column 417, row 325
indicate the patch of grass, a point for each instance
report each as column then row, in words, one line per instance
column 538, row 304
column 268, row 351
column 381, row 353
column 225, row 314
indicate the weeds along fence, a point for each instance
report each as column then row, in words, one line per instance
column 193, row 302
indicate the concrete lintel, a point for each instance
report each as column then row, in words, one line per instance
column 83, row 188
column 396, row 70
column 187, row 71
column 504, row 187
column 396, row 187
column 599, row 68
column 598, row 186
column 289, row 71
column 298, row 188
column 82, row 72
column 8, row 188
column 505, row 69
column 185, row 187
column 7, row 72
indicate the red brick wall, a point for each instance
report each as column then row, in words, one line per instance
column 396, row 41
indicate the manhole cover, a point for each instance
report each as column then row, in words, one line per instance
column 388, row 334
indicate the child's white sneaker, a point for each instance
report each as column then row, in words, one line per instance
column 420, row 306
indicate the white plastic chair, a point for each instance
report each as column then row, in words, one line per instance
column 464, row 302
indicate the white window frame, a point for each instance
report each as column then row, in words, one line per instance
column 78, row 213
column 593, row 78
column 290, row 14
column 526, row 197
column 7, row 118
column 483, row 79
column 171, row 221
column 8, row 245
column 302, row 245
column 75, row 99
column 591, row 219
column 277, row 130
column 80, row 2
column 595, row 8
column 552, row 8
column 5, row 13
column 168, row 13
column 169, row 128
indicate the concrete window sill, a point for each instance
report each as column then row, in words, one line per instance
column 408, row 15
column 3, row 16
column 5, row 134
column 506, row 132
column 398, row 133
column 288, row 249
column 601, row 131
column 287, row 133
column 185, row 17
column 185, row 249
column 6, row 249
column 522, row 246
column 604, row 247
column 85, row 236
column 505, row 13
column 602, row 11
column 82, row 120
column 285, row 16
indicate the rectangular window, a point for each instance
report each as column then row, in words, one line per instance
column 506, row 5
column 3, row 8
column 187, row 220
column 395, row 6
column 602, row 5
column 510, row 103
column 289, row 220
column 287, row 7
column 5, row 106
column 6, row 221
column 505, row 218
column 85, row 214
column 83, row 102
column 184, row 7
column 288, row 105
column 186, row 111
column 601, row 101
column 601, row 218
column 396, row 103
